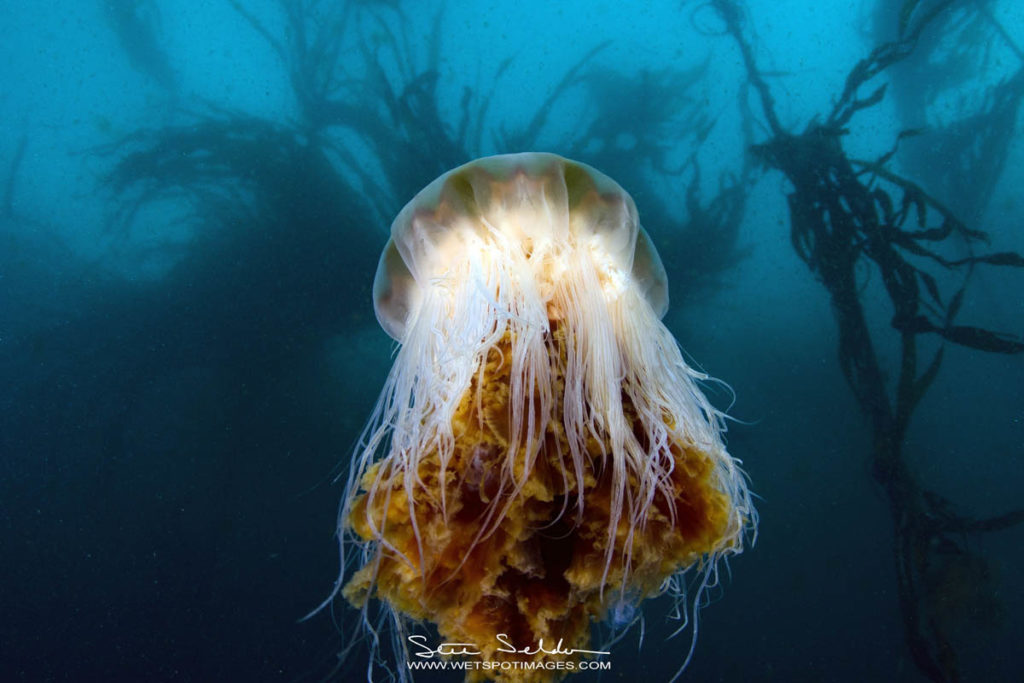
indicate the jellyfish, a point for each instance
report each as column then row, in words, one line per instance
column 541, row 458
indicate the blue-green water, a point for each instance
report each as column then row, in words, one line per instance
column 195, row 195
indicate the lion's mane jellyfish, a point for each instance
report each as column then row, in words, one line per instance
column 541, row 455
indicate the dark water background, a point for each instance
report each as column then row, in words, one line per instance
column 195, row 197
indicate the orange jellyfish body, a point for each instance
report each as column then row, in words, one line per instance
column 541, row 451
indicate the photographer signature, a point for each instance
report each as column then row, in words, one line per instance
column 505, row 644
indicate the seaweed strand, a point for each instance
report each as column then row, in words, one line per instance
column 843, row 212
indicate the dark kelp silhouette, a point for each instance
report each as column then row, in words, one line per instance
column 847, row 214
column 644, row 117
column 220, row 365
column 337, row 56
column 136, row 23
column 412, row 137
column 964, row 158
column 959, row 149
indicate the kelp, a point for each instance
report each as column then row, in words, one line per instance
column 961, row 148
column 136, row 23
column 963, row 159
column 647, row 116
column 846, row 215
column 360, row 82
column 363, row 86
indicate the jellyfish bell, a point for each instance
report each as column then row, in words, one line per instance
column 541, row 454
column 526, row 198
